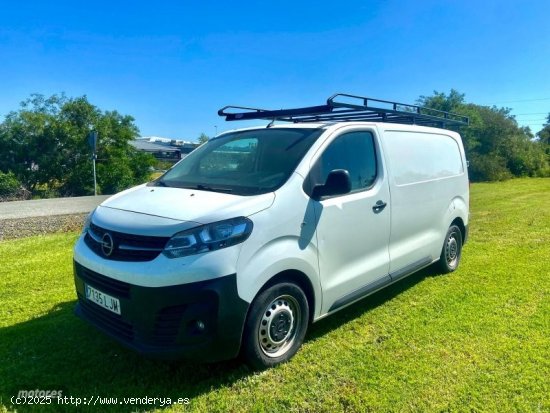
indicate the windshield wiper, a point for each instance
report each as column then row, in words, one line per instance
column 160, row 182
column 212, row 189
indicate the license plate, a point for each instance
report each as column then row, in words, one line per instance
column 102, row 299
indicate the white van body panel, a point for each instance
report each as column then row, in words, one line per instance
column 424, row 191
column 162, row 271
column 283, row 239
column 138, row 223
column 184, row 204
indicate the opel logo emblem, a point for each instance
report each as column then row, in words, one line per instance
column 107, row 244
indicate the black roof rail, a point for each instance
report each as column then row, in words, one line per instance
column 343, row 107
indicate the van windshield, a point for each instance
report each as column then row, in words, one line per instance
column 249, row 162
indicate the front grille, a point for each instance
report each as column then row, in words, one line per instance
column 102, row 283
column 109, row 321
column 125, row 247
column 168, row 323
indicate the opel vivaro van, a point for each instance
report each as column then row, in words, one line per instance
column 261, row 231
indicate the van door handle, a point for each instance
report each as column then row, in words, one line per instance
column 379, row 206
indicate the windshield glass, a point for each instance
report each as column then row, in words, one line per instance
column 249, row 162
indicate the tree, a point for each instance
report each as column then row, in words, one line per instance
column 29, row 142
column 44, row 144
column 543, row 138
column 203, row 138
column 544, row 135
column 440, row 101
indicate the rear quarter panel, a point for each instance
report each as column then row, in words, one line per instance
column 423, row 206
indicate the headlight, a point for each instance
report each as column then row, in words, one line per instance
column 88, row 221
column 209, row 237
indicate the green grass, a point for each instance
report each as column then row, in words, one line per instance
column 474, row 340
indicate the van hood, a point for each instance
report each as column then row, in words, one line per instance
column 181, row 204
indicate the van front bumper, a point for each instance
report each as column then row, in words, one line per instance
column 201, row 320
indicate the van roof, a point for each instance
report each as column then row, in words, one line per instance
column 342, row 107
column 327, row 125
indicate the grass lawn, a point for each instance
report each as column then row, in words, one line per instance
column 474, row 340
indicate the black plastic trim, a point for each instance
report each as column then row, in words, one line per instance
column 361, row 292
column 380, row 283
column 161, row 322
column 409, row 269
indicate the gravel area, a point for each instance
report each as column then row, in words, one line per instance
column 20, row 219
column 25, row 227
column 49, row 207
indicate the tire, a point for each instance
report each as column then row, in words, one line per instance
column 276, row 326
column 451, row 251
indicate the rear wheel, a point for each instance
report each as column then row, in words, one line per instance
column 276, row 325
column 451, row 251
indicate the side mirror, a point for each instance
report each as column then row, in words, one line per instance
column 338, row 183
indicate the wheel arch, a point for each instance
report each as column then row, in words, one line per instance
column 460, row 224
column 295, row 277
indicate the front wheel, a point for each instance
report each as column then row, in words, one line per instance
column 451, row 251
column 276, row 325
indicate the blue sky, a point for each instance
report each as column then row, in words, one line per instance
column 173, row 64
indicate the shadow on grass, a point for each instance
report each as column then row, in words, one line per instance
column 59, row 351
column 368, row 303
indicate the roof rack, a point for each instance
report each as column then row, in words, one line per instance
column 342, row 107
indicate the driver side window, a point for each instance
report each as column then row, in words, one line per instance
column 352, row 151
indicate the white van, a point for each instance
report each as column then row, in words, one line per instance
column 261, row 231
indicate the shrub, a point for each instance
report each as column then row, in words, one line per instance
column 488, row 168
column 9, row 185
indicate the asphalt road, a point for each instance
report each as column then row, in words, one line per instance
column 49, row 207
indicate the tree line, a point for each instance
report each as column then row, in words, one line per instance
column 44, row 151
